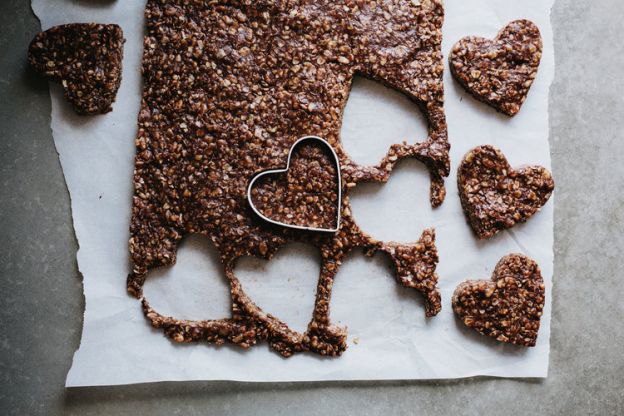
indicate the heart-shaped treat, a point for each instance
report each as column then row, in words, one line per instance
column 306, row 194
column 495, row 196
column 85, row 58
column 508, row 307
column 499, row 72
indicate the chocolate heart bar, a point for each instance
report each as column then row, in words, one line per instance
column 85, row 58
column 499, row 72
column 494, row 196
column 509, row 306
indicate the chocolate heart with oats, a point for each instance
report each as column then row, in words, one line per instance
column 85, row 58
column 306, row 194
column 495, row 196
column 499, row 72
column 508, row 307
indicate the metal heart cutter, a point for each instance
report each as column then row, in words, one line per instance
column 301, row 196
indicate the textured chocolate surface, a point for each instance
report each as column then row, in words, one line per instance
column 229, row 86
column 508, row 307
column 494, row 196
column 499, row 72
column 85, row 58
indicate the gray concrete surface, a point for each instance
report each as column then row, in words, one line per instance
column 41, row 295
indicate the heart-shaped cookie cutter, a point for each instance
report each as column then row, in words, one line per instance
column 285, row 170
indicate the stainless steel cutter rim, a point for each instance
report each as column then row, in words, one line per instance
column 284, row 170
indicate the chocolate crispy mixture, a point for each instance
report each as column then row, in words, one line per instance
column 499, row 72
column 307, row 195
column 508, row 307
column 229, row 86
column 495, row 196
column 85, row 58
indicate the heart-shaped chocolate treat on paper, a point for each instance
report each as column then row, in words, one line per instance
column 499, row 72
column 495, row 196
column 85, row 58
column 306, row 194
column 508, row 307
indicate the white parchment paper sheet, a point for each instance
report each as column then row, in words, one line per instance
column 389, row 337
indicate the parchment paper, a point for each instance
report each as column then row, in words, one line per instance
column 389, row 337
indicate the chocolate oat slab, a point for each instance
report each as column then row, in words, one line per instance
column 495, row 196
column 499, row 72
column 509, row 306
column 85, row 58
column 229, row 87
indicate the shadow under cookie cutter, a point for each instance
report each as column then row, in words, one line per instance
column 285, row 170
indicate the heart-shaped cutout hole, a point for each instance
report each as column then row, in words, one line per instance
column 496, row 197
column 306, row 194
column 195, row 287
column 286, row 285
column 402, row 203
column 508, row 307
column 499, row 72
column 377, row 117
